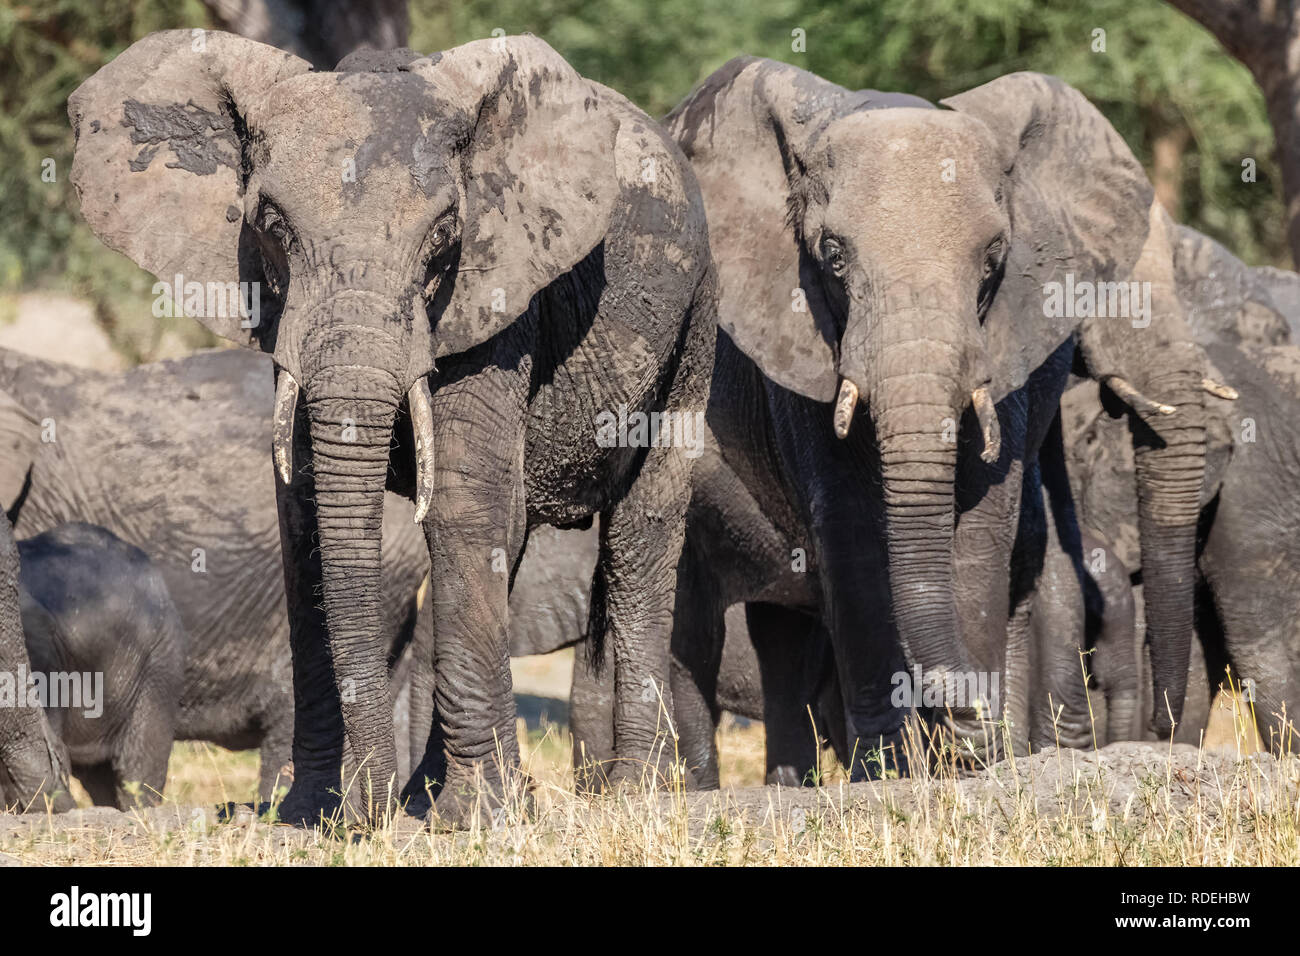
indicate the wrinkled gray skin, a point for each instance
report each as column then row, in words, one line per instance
column 919, row 291
column 33, row 760
column 94, row 605
column 172, row 457
column 463, row 261
column 1248, row 561
column 1230, row 303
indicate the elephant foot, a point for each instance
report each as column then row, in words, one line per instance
column 880, row 757
column 309, row 804
column 466, row 803
column 974, row 742
column 661, row 772
column 788, row 776
column 591, row 778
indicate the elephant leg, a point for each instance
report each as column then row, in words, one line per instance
column 144, row 748
column 990, row 579
column 868, row 657
column 317, row 711
column 100, row 782
column 1021, row 666
column 641, row 543
column 699, row 631
column 276, row 758
column 793, row 663
column 591, row 719
column 1063, row 708
column 476, row 530
column 427, row 756
column 1111, row 626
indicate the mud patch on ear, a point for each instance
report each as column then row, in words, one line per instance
column 201, row 139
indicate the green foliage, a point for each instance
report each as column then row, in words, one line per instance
column 1161, row 76
column 48, row 47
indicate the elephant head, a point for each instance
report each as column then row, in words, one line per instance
column 377, row 221
column 1229, row 302
column 903, row 257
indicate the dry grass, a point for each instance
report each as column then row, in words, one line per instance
column 1128, row 804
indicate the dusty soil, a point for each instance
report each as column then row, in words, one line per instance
column 1136, row 783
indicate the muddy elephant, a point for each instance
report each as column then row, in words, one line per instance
column 467, row 264
column 171, row 457
column 901, row 301
column 33, row 760
column 102, row 629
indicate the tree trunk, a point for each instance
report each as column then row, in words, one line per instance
column 322, row 31
column 1266, row 38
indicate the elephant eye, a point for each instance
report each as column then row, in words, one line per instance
column 274, row 239
column 995, row 260
column 994, row 256
column 444, row 233
column 833, row 254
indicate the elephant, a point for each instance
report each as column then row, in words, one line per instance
column 1248, row 567
column 96, row 612
column 875, row 250
column 476, row 258
column 171, row 457
column 1229, row 302
column 33, row 760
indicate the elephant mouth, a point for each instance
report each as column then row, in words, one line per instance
column 418, row 399
column 846, row 405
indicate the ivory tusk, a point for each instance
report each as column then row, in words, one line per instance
column 422, row 425
column 988, row 418
column 1134, row 399
column 845, row 406
column 286, row 409
column 1219, row 391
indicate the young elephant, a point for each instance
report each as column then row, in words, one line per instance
column 916, row 260
column 33, row 760
column 97, row 613
column 200, row 428
column 463, row 260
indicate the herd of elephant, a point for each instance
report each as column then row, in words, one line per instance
column 915, row 457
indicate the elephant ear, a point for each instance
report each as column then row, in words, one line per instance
column 19, row 438
column 744, row 131
column 1078, row 201
column 158, row 158
column 539, row 173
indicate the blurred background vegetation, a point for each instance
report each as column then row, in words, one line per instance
column 1189, row 111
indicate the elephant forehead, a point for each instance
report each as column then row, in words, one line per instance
column 349, row 127
column 914, row 145
column 881, row 170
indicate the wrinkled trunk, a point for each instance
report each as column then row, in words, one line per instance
column 918, row 468
column 1170, row 470
column 351, row 411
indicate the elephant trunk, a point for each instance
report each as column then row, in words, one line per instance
column 1169, row 455
column 351, row 411
column 918, row 468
